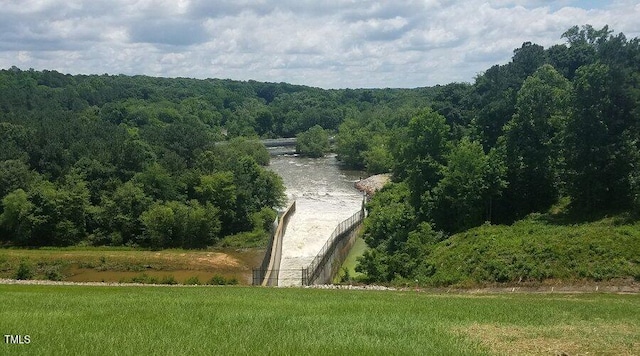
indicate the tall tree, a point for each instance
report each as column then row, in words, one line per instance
column 532, row 142
column 598, row 157
column 457, row 201
column 420, row 154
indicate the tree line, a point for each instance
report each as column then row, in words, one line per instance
column 114, row 159
column 556, row 125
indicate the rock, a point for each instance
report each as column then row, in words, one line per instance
column 372, row 184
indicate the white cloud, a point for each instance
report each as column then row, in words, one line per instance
column 333, row 43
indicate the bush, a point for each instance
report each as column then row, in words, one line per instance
column 144, row 279
column 168, row 280
column 194, row 281
column 24, row 271
column 221, row 281
column 346, row 276
column 53, row 273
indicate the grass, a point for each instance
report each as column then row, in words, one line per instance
column 89, row 264
column 538, row 248
column 349, row 265
column 243, row 320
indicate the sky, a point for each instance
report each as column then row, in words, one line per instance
column 323, row 43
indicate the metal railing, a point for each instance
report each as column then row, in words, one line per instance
column 313, row 271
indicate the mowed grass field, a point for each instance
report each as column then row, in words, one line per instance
column 127, row 320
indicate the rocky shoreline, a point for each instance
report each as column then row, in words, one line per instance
column 372, row 184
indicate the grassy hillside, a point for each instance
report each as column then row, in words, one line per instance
column 540, row 247
column 241, row 320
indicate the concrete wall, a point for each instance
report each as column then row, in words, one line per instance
column 328, row 262
column 336, row 257
column 275, row 254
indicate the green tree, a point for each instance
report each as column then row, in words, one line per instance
column 352, row 142
column 313, row 142
column 48, row 215
column 458, row 200
column 158, row 183
column 533, row 142
column 121, row 210
column 15, row 224
column 420, row 154
column 256, row 188
column 159, row 224
column 391, row 217
column 14, row 142
column 220, row 190
column 14, row 174
column 598, row 156
column 174, row 224
column 378, row 158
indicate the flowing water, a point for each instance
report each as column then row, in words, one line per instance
column 325, row 196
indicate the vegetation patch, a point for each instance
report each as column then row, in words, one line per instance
column 584, row 338
column 347, row 273
column 129, row 265
column 537, row 249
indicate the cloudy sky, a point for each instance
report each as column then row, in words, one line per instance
column 323, row 43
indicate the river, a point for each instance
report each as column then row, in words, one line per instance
column 325, row 196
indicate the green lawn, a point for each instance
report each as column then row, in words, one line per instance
column 243, row 320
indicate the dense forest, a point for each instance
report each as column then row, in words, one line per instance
column 159, row 162
column 553, row 128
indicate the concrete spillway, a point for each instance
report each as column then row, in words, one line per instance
column 324, row 196
column 308, row 231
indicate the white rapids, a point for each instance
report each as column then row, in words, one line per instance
column 325, row 196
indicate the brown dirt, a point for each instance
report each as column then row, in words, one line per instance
column 575, row 339
column 220, row 260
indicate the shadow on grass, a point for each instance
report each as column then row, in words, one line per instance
column 572, row 215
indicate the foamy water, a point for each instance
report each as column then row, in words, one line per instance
column 325, row 197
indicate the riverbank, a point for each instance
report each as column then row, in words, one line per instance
column 372, row 184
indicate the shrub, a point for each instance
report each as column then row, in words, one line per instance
column 24, row 271
column 194, row 281
column 346, row 276
column 221, row 280
column 53, row 273
column 168, row 280
column 144, row 279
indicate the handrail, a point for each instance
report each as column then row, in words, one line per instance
column 313, row 270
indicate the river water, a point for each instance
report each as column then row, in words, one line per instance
column 325, row 196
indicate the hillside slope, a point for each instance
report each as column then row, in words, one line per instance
column 539, row 248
